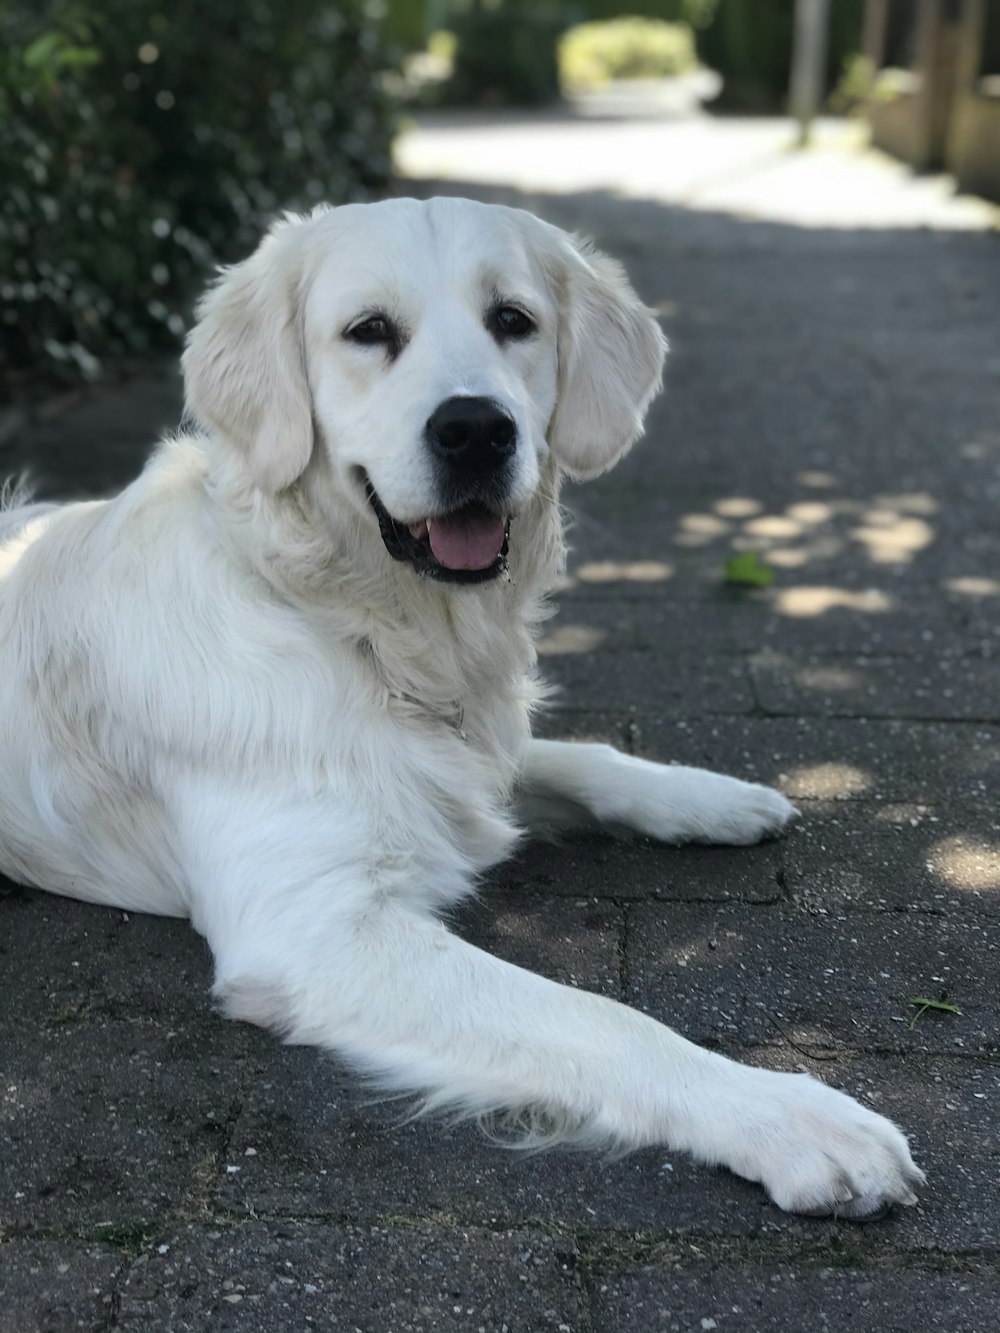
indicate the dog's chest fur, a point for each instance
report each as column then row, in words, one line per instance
column 407, row 711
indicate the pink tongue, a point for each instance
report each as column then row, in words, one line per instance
column 470, row 539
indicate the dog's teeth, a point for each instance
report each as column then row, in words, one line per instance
column 419, row 530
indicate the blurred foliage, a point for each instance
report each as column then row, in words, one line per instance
column 405, row 23
column 749, row 42
column 506, row 47
column 861, row 83
column 423, row 73
column 854, row 85
column 592, row 54
column 141, row 144
column 505, row 53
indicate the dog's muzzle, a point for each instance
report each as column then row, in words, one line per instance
column 467, row 545
column 472, row 442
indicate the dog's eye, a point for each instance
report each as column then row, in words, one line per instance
column 374, row 329
column 507, row 321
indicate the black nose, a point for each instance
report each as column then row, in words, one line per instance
column 473, row 434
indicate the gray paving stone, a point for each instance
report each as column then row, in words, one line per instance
column 570, row 724
column 56, row 1286
column 610, row 607
column 637, row 682
column 576, row 943
column 307, row 1143
column 940, row 687
column 102, row 442
column 111, row 1122
column 835, row 758
column 949, row 1107
column 744, row 974
column 636, row 867
column 753, row 1299
column 907, row 855
column 268, row 1278
column 62, row 959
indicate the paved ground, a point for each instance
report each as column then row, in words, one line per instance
column 833, row 399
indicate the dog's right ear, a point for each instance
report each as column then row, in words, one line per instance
column 244, row 367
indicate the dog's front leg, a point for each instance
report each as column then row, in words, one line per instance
column 334, row 946
column 562, row 782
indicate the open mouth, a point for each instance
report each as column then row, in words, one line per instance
column 469, row 545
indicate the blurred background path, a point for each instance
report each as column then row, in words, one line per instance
column 743, row 166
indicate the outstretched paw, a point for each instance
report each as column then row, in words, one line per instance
column 694, row 805
column 749, row 812
column 819, row 1152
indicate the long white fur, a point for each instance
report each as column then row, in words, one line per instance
column 220, row 698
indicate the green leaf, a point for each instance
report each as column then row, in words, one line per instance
column 935, row 1004
column 748, row 570
column 42, row 49
column 923, row 1004
column 77, row 57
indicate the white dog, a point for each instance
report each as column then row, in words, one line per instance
column 283, row 685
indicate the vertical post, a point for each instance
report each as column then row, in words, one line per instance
column 970, row 42
column 873, row 36
column 808, row 60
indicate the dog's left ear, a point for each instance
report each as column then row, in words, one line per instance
column 244, row 367
column 611, row 355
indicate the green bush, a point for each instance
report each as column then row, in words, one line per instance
column 141, row 144
column 593, row 54
column 504, row 55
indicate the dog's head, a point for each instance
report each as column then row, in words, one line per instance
column 437, row 353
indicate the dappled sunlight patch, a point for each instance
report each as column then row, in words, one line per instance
column 810, row 512
column 965, row 862
column 789, row 557
column 892, row 529
column 973, row 586
column 685, row 954
column 805, row 601
column 828, row 678
column 571, row 639
column 705, row 525
column 773, row 525
column 514, row 925
column 910, row 502
column 976, row 451
column 901, row 814
column 737, row 506
column 625, row 571
column 794, row 557
column 817, row 481
column 892, row 538
column 830, row 781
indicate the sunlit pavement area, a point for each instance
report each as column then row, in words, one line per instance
column 832, row 402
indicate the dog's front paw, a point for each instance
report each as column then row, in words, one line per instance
column 694, row 805
column 817, row 1151
column 737, row 813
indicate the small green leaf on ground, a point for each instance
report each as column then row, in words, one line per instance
column 940, row 1006
column 748, row 570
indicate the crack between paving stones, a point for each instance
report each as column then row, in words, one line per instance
column 624, row 963
column 608, row 1254
column 611, row 1251
column 781, row 875
column 876, row 717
